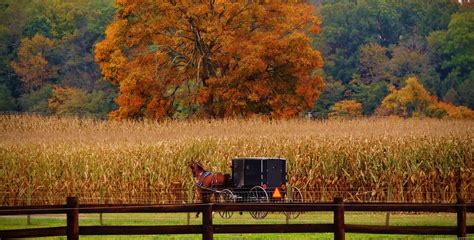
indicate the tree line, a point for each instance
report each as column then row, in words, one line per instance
column 372, row 47
column 218, row 59
column 47, row 59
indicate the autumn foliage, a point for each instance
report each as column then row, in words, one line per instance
column 213, row 58
column 447, row 110
column 346, row 109
column 33, row 66
column 414, row 100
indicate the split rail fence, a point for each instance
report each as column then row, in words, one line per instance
column 72, row 209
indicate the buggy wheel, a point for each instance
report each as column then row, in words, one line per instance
column 295, row 196
column 258, row 195
column 226, row 196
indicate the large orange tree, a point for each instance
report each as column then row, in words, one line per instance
column 211, row 58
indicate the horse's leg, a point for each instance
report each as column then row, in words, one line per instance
column 215, row 200
column 199, row 194
column 205, row 198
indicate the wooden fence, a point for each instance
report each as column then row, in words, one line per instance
column 208, row 229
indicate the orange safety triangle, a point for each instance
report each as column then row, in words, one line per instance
column 276, row 193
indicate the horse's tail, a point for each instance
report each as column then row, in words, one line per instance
column 227, row 180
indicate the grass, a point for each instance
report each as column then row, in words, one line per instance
column 45, row 159
column 439, row 219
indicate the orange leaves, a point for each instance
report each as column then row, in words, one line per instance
column 310, row 90
column 32, row 65
column 227, row 58
column 111, row 60
column 448, row 110
column 131, row 106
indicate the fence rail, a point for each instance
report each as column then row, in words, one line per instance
column 208, row 229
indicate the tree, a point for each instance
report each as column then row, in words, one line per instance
column 414, row 100
column 348, row 25
column 423, row 17
column 345, row 30
column 36, row 101
column 7, row 102
column 88, row 20
column 46, row 42
column 12, row 17
column 37, row 25
column 371, row 95
column 409, row 62
column 333, row 92
column 346, row 109
column 217, row 58
column 466, row 91
column 448, row 110
column 458, row 43
column 32, row 65
column 374, row 63
column 453, row 53
column 451, row 96
column 66, row 100
column 410, row 100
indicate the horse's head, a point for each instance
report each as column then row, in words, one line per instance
column 196, row 168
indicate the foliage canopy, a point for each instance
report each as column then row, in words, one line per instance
column 212, row 58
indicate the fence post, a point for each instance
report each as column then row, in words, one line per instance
column 101, row 201
column 190, row 196
column 389, row 198
column 339, row 231
column 207, row 227
column 30, row 191
column 461, row 214
column 72, row 218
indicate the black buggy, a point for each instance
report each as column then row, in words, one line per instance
column 259, row 180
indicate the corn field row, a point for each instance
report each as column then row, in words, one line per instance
column 45, row 159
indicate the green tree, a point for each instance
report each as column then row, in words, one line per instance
column 333, row 92
column 407, row 62
column 451, row 96
column 36, row 101
column 346, row 25
column 458, row 43
column 7, row 102
column 423, row 17
column 466, row 91
column 453, row 53
column 37, row 25
column 13, row 16
column 46, row 42
column 374, row 63
column 371, row 95
column 349, row 24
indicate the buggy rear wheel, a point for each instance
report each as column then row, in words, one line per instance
column 295, row 196
column 258, row 195
column 226, row 196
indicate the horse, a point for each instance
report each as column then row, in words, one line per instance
column 207, row 181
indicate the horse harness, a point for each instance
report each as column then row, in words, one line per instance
column 203, row 175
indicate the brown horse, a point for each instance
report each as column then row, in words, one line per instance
column 206, row 180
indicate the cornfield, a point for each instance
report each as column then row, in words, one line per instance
column 45, row 159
